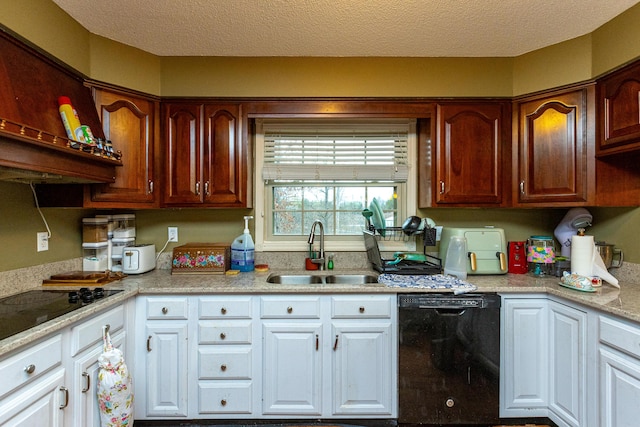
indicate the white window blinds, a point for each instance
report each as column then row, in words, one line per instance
column 342, row 151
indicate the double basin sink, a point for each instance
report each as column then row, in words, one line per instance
column 313, row 279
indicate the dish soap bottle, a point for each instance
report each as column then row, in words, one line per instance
column 243, row 250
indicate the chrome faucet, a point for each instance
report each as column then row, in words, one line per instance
column 312, row 235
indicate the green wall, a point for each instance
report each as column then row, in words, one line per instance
column 47, row 26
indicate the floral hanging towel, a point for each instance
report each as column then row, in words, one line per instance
column 115, row 391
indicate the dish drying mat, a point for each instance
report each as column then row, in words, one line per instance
column 434, row 281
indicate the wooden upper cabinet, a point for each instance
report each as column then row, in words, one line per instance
column 619, row 111
column 183, row 148
column 129, row 121
column 469, row 144
column 554, row 161
column 206, row 161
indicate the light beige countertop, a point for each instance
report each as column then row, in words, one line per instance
column 624, row 302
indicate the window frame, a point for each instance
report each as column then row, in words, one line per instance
column 407, row 192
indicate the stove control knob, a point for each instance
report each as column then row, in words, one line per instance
column 450, row 403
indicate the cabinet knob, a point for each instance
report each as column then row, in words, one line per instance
column 165, row 310
column 223, row 368
column 223, row 402
column 30, row 369
column 289, row 310
column 361, row 310
column 222, row 335
column 223, row 310
column 450, row 403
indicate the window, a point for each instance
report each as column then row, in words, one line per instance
column 330, row 170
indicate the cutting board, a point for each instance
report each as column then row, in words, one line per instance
column 75, row 278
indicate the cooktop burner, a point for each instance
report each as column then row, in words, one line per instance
column 28, row 309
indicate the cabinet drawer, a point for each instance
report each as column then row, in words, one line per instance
column 167, row 308
column 290, row 307
column 228, row 332
column 361, row 306
column 224, row 398
column 224, row 308
column 40, row 358
column 218, row 363
column 89, row 333
column 623, row 336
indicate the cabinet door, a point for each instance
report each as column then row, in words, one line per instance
column 37, row 405
column 555, row 157
column 225, row 175
column 183, row 146
column 568, row 373
column 130, row 123
column 292, row 368
column 362, row 381
column 469, row 142
column 84, row 399
column 619, row 389
column 524, row 358
column 166, row 368
column 619, row 111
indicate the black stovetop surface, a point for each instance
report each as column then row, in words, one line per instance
column 31, row 308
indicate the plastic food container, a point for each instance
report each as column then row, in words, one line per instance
column 95, row 256
column 124, row 226
column 95, row 230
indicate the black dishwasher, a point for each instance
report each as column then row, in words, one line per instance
column 449, row 358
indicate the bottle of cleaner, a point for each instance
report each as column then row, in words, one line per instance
column 70, row 119
column 243, row 250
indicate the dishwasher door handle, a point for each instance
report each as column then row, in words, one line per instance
column 448, row 312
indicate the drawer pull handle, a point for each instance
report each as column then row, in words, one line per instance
column 206, row 188
column 522, row 187
column 222, row 335
column 223, row 402
column 335, row 344
column 150, row 187
column 223, row 310
column 198, row 188
column 88, row 382
column 30, row 369
column 317, row 342
column 289, row 309
column 149, row 344
column 165, row 310
column 441, row 187
column 361, row 309
column 66, row 397
column 223, row 368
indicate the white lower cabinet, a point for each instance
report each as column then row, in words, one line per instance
column 572, row 364
column 32, row 389
column 524, row 361
column 568, row 365
column 270, row 357
column 53, row 382
column 619, row 372
column 162, row 349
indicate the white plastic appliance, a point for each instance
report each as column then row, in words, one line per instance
column 138, row 259
column 574, row 219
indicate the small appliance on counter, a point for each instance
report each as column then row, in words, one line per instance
column 517, row 257
column 486, row 248
column 138, row 259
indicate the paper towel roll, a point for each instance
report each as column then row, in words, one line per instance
column 582, row 248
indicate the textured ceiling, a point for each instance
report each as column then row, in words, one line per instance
column 343, row 28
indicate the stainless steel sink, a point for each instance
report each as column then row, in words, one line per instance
column 294, row 279
column 351, row 279
column 311, row 279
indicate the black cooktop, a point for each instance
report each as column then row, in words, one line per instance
column 28, row 309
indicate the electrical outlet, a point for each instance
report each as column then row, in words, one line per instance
column 172, row 233
column 43, row 241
